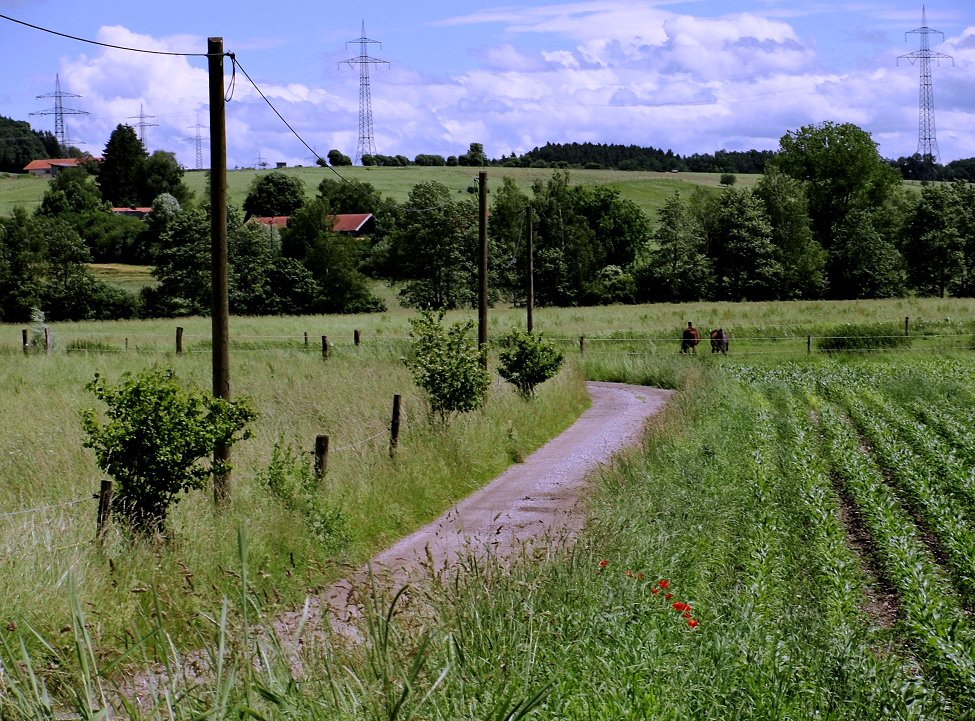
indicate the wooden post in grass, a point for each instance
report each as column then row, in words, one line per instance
column 25, row 340
column 306, row 339
column 356, row 337
column 47, row 340
column 179, row 340
column 394, row 426
column 582, row 344
column 907, row 325
column 321, row 456
column 126, row 344
column 808, row 345
column 104, row 508
column 324, row 347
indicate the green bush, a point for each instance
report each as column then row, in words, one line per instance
column 154, row 438
column 447, row 364
column 291, row 478
column 867, row 337
column 527, row 361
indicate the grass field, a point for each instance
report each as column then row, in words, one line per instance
column 814, row 517
column 648, row 190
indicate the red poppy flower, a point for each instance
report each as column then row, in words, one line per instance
column 668, row 596
column 663, row 583
column 680, row 606
column 686, row 614
column 603, row 563
column 692, row 623
column 656, row 591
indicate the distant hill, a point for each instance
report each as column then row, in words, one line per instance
column 20, row 144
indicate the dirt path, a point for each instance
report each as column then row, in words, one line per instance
column 532, row 501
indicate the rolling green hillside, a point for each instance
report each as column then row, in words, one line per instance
column 646, row 189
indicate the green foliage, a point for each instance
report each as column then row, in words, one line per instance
column 864, row 337
column 863, row 262
column 728, row 179
column 155, row 436
column 527, row 361
column 337, row 158
column 129, row 176
column 447, row 364
column 290, row 478
column 677, row 269
column 274, row 194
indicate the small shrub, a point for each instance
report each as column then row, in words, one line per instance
column 526, row 361
column 863, row 338
column 291, row 478
column 447, row 365
column 154, row 438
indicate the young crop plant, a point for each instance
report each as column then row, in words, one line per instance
column 447, row 365
column 527, row 361
column 156, row 434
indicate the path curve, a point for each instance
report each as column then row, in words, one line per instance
column 531, row 501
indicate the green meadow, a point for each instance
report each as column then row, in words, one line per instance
column 646, row 189
column 792, row 540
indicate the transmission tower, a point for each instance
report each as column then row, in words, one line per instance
column 198, row 140
column 927, row 139
column 367, row 143
column 143, row 124
column 59, row 111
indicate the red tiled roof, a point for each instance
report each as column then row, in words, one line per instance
column 273, row 221
column 350, row 222
column 48, row 163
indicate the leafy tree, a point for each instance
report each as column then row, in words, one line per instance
column 446, row 363
column 337, row 158
column 435, row 249
column 424, row 159
column 474, row 156
column 182, row 266
column 162, row 173
column 18, row 145
column 863, row 263
column 154, row 438
column 803, row 258
column 121, row 175
column 526, row 361
column 746, row 265
column 677, row 269
column 939, row 240
column 21, row 266
column 71, row 192
column 612, row 284
column 331, row 258
column 507, row 230
column 841, row 169
column 274, row 194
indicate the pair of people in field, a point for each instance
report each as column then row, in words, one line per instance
column 690, row 338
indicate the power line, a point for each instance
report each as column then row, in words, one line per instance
column 95, row 42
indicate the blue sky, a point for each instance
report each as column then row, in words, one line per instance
column 690, row 76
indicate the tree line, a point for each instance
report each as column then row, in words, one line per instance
column 829, row 218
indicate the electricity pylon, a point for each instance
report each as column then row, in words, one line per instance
column 143, row 124
column 367, row 143
column 927, row 140
column 59, row 111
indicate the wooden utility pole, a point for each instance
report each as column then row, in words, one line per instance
column 220, row 306
column 530, row 303
column 482, row 310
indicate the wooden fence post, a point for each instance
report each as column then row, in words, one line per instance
column 356, row 337
column 907, row 325
column 324, row 347
column 126, row 344
column 394, row 426
column 321, row 456
column 582, row 344
column 104, row 508
column 26, row 341
column 47, row 340
column 306, row 339
column 808, row 345
column 179, row 340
